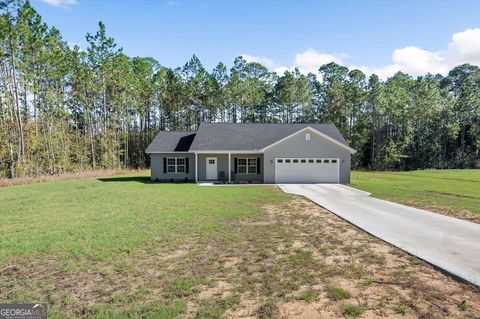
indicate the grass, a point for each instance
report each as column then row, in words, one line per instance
column 98, row 218
column 353, row 310
column 308, row 296
column 400, row 309
column 123, row 247
column 337, row 293
column 90, row 227
column 449, row 189
column 216, row 309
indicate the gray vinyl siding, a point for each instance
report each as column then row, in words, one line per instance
column 222, row 165
column 157, row 172
column 298, row 146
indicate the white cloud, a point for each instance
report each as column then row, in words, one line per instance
column 282, row 69
column 464, row 47
column 311, row 60
column 306, row 61
column 60, row 3
column 414, row 60
column 259, row 59
column 382, row 72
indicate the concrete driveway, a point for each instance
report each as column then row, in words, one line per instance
column 446, row 242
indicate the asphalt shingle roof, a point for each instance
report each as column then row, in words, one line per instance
column 233, row 137
column 251, row 136
column 171, row 142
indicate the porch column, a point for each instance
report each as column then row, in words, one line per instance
column 196, row 167
column 229, row 170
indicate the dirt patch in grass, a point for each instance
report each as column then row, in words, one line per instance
column 296, row 260
column 343, row 272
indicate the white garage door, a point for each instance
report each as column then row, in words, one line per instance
column 307, row 170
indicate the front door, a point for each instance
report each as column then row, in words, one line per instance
column 211, row 168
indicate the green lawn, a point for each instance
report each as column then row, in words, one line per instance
column 101, row 225
column 449, row 189
column 123, row 247
column 100, row 217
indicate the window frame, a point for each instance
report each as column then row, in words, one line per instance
column 250, row 165
column 177, row 165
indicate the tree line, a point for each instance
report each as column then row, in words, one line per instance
column 66, row 109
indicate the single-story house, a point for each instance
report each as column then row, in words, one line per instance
column 262, row 153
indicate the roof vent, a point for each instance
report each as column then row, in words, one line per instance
column 307, row 136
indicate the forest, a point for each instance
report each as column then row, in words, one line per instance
column 66, row 109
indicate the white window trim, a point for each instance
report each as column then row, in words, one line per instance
column 176, row 165
column 246, row 165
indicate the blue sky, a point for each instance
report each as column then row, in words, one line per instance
column 376, row 36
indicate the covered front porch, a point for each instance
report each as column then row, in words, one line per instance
column 229, row 167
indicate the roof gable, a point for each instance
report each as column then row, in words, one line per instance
column 310, row 129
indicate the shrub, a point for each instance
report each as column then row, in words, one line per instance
column 222, row 176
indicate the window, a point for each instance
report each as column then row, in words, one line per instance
column 310, row 160
column 176, row 165
column 334, row 160
column 326, row 161
column 211, row 161
column 303, row 161
column 252, row 165
column 287, row 161
column 307, row 137
column 295, row 160
column 242, row 165
column 280, row 161
column 318, row 160
column 247, row 165
column 180, row 165
column 171, row 165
